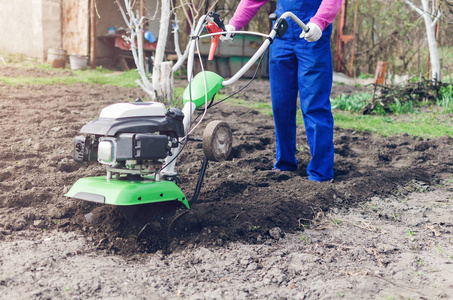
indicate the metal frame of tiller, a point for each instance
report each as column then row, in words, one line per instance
column 139, row 142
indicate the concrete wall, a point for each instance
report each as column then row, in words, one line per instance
column 30, row 27
column 51, row 24
column 17, row 20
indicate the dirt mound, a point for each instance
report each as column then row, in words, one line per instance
column 241, row 198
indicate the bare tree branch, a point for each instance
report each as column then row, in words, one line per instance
column 136, row 42
column 412, row 5
column 439, row 15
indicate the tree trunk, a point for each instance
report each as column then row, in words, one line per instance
column 164, row 90
column 162, row 78
column 432, row 43
column 430, row 24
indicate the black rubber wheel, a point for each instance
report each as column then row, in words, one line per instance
column 217, row 141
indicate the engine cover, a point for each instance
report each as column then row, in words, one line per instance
column 131, row 110
column 130, row 131
column 150, row 120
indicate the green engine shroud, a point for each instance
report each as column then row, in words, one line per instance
column 197, row 91
column 126, row 192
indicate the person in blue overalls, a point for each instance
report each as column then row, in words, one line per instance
column 300, row 62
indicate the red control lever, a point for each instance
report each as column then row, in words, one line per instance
column 213, row 28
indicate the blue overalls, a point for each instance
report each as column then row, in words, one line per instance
column 296, row 65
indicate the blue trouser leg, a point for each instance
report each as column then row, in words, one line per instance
column 298, row 66
column 318, row 119
column 315, row 84
column 284, row 89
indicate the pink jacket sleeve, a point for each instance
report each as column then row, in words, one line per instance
column 247, row 9
column 327, row 12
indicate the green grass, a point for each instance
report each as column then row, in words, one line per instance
column 353, row 102
column 446, row 99
column 262, row 107
column 431, row 124
column 422, row 124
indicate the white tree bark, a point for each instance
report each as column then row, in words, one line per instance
column 161, row 82
column 430, row 22
column 164, row 89
column 181, row 56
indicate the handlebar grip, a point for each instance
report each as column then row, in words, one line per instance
column 274, row 17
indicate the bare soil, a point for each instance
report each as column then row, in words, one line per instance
column 381, row 230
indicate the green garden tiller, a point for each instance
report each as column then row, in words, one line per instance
column 139, row 142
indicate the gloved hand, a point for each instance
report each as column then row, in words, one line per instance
column 228, row 37
column 313, row 34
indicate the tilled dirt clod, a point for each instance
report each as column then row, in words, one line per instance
column 241, row 200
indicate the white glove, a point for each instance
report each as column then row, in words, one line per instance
column 313, row 34
column 228, row 37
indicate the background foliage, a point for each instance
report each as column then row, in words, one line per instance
column 391, row 31
column 386, row 30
